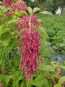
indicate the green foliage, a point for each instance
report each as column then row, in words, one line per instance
column 56, row 31
column 8, row 40
column 49, row 5
column 32, row 4
column 13, row 80
column 46, row 76
column 55, row 28
column 30, row 10
column 52, row 5
column 61, row 82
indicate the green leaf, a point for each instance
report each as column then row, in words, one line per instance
column 41, row 20
column 58, row 85
column 63, row 67
column 36, row 9
column 1, row 77
column 16, row 60
column 3, row 29
column 30, row 10
column 7, row 79
column 22, row 84
column 46, row 68
column 17, row 78
column 1, row 7
column 11, row 44
column 39, row 81
column 20, row 13
column 5, row 39
column 62, row 80
column 12, row 21
column 19, row 33
column 0, row 2
column 43, row 33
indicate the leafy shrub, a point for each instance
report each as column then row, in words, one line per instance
column 56, row 31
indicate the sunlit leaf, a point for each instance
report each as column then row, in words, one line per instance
column 36, row 9
column 30, row 10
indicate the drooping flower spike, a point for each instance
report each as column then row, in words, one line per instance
column 31, row 45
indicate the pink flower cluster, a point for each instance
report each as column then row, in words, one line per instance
column 19, row 5
column 25, row 22
column 7, row 3
column 8, row 14
column 31, row 45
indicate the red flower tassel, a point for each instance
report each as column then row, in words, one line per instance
column 31, row 46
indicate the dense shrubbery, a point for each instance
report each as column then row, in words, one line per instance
column 55, row 28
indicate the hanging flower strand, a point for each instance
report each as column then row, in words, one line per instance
column 31, row 45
